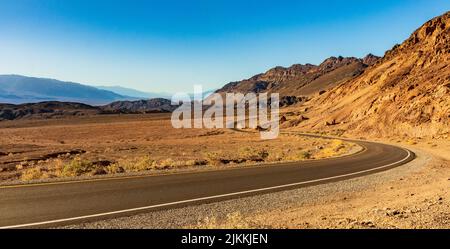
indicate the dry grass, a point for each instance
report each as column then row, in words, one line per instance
column 76, row 167
column 140, row 164
column 139, row 143
column 333, row 149
column 33, row 173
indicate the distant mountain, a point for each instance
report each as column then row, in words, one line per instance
column 18, row 89
column 205, row 94
column 134, row 93
column 140, row 106
column 303, row 80
column 57, row 109
column 49, row 109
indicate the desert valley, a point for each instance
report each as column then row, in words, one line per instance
column 401, row 98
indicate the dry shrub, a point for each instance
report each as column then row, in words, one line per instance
column 20, row 166
column 146, row 163
column 76, row 167
column 337, row 144
column 33, row 174
column 214, row 158
column 133, row 165
column 334, row 148
column 276, row 156
column 191, row 163
column 52, row 168
column 243, row 155
column 167, row 164
column 252, row 154
column 114, row 168
column 57, row 165
column 299, row 156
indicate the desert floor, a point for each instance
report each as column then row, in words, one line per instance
column 415, row 195
column 95, row 146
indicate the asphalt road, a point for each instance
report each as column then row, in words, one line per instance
column 47, row 205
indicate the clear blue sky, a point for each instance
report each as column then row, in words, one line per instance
column 171, row 45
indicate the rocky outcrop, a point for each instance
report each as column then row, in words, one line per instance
column 45, row 110
column 405, row 93
column 303, row 80
column 140, row 106
column 291, row 100
column 370, row 59
column 55, row 109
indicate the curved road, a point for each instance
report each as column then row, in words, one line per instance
column 44, row 205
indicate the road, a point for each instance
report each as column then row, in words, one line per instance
column 44, row 205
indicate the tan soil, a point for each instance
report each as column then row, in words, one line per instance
column 48, row 145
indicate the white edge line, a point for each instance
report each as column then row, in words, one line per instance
column 202, row 198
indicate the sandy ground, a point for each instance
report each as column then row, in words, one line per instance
column 415, row 195
column 111, row 144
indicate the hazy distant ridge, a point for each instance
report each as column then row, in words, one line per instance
column 124, row 91
column 18, row 89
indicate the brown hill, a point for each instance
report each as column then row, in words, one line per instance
column 406, row 93
column 140, row 106
column 303, row 80
column 49, row 109
column 56, row 109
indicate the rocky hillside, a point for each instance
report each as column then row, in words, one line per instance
column 140, row 106
column 303, row 80
column 45, row 110
column 406, row 93
column 55, row 109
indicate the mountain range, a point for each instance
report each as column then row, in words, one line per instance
column 406, row 92
column 134, row 93
column 303, row 80
column 19, row 89
column 57, row 109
